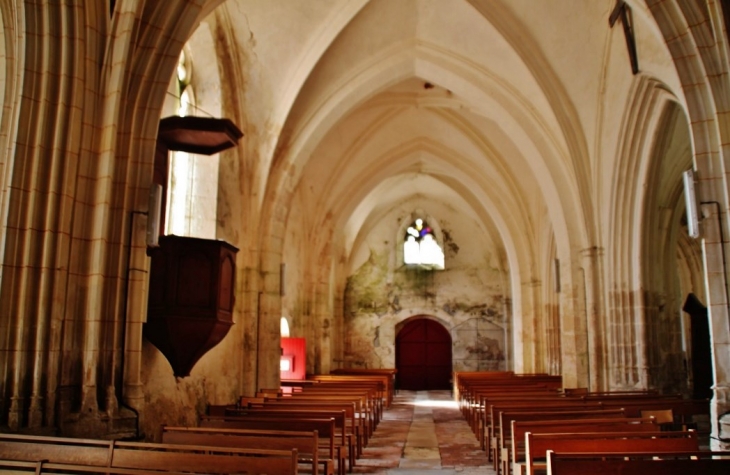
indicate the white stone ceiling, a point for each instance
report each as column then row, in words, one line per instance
column 510, row 108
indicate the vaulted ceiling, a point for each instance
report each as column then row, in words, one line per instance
column 511, row 110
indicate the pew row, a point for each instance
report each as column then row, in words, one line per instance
column 147, row 456
column 537, row 445
column 516, row 458
column 42, row 467
column 331, row 437
column 345, row 421
column 306, row 442
column 632, row 463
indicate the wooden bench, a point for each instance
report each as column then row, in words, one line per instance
column 331, row 438
column 470, row 400
column 15, row 467
column 684, row 411
column 463, row 381
column 147, row 456
column 477, row 399
column 505, row 438
column 344, row 414
column 586, row 392
column 358, row 403
column 384, row 379
column 373, row 393
column 491, row 422
column 632, row 463
column 388, row 375
column 481, row 416
column 537, row 445
column 306, row 442
column 516, row 459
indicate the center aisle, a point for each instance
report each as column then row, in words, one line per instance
column 423, row 432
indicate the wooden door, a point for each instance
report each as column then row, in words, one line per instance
column 423, row 356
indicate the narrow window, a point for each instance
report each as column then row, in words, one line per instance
column 192, row 179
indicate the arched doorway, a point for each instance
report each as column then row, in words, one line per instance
column 423, row 355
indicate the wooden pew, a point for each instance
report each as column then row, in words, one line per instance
column 344, row 414
column 537, row 445
column 505, row 438
column 390, row 373
column 382, row 379
column 332, row 438
column 374, row 394
column 365, row 411
column 306, row 442
column 477, row 397
column 480, row 416
column 464, row 380
column 584, row 392
column 684, row 411
column 473, row 389
column 631, row 463
column 14, row 467
column 491, row 421
column 469, row 393
column 516, row 460
column 147, row 456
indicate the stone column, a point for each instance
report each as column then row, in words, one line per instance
column 573, row 338
column 269, row 323
column 323, row 316
column 528, row 336
column 136, row 316
column 592, row 262
column 715, row 263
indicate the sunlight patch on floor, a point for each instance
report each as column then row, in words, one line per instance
column 434, row 403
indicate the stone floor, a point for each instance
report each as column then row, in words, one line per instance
column 423, row 432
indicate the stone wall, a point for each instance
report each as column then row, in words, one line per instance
column 468, row 297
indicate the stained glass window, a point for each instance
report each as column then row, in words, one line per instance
column 420, row 246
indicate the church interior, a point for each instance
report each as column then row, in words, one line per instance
column 203, row 198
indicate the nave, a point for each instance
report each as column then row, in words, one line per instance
column 423, row 432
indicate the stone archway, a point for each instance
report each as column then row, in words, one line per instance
column 423, row 355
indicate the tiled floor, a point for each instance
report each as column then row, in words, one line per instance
column 423, row 432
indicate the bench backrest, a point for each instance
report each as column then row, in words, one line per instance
column 344, row 416
column 491, row 418
column 508, row 418
column 147, row 456
column 15, row 467
column 576, row 426
column 306, row 442
column 682, row 408
column 325, row 426
column 537, row 445
column 652, row 463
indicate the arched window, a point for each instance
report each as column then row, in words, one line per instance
column 192, row 179
column 420, row 246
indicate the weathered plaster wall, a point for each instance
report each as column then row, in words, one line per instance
column 179, row 401
column 295, row 305
column 469, row 297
